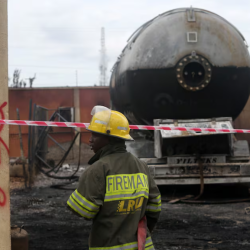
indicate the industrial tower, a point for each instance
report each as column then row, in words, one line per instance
column 103, row 60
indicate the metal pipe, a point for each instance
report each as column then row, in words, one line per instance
column 29, row 143
column 46, row 108
column 21, row 149
column 32, row 147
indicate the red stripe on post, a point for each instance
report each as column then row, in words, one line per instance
column 2, row 201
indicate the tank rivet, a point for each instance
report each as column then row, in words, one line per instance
column 202, row 85
column 202, row 59
column 180, row 64
column 178, row 70
column 209, row 69
column 185, row 60
column 185, row 85
column 197, row 57
column 181, row 81
column 178, row 76
column 191, row 88
column 197, row 88
column 209, row 75
column 207, row 81
column 206, row 63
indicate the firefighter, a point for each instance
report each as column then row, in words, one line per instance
column 117, row 191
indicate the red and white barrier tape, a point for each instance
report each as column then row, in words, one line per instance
column 137, row 127
column 45, row 123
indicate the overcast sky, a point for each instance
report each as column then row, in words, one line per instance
column 54, row 38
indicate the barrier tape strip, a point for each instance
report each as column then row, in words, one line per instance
column 137, row 127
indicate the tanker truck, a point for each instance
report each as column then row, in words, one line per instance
column 186, row 67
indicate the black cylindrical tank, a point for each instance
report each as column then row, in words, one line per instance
column 183, row 64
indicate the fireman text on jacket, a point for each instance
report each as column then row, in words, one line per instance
column 126, row 182
column 126, row 186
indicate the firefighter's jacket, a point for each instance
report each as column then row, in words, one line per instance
column 116, row 191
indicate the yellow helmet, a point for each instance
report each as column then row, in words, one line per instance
column 109, row 122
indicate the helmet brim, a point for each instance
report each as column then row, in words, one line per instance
column 127, row 138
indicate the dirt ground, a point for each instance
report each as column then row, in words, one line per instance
column 42, row 212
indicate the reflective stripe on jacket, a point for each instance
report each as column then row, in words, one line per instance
column 116, row 191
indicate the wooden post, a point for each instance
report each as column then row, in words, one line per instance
column 4, row 132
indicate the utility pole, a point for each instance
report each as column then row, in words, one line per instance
column 103, row 60
column 4, row 132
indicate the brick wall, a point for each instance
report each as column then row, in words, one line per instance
column 52, row 98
